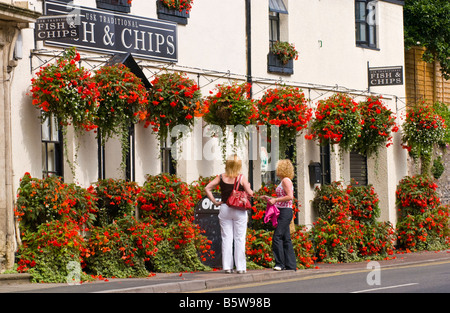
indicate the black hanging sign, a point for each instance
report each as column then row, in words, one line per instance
column 55, row 28
column 111, row 32
column 385, row 76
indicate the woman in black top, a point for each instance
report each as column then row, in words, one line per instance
column 233, row 223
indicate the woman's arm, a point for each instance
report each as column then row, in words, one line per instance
column 246, row 185
column 209, row 188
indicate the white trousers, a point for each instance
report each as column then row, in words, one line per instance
column 233, row 224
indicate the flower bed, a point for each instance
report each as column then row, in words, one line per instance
column 95, row 228
column 423, row 222
column 63, row 224
column 347, row 230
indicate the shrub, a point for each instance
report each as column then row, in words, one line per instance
column 378, row 240
column 47, row 252
column 49, row 199
column 332, row 203
column 167, row 198
column 259, row 248
column 363, row 203
column 112, row 253
column 303, row 247
column 416, row 195
column 337, row 242
column 115, row 198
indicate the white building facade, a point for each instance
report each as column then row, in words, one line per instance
column 218, row 42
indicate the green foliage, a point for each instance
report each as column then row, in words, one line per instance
column 59, row 230
column 423, row 223
column 284, row 51
column 427, row 23
column 48, row 199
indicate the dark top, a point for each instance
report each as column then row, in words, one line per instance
column 226, row 189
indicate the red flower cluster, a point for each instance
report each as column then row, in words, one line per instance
column 416, row 195
column 66, row 92
column 347, row 228
column 229, row 105
column 118, row 244
column 337, row 121
column 179, row 5
column 287, row 108
column 172, row 101
column 378, row 122
column 423, row 222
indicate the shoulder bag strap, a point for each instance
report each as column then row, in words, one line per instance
column 237, row 181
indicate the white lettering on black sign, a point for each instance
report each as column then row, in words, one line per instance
column 104, row 31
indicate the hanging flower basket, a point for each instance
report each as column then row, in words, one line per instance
column 173, row 100
column 378, row 123
column 229, row 105
column 285, row 107
column 423, row 128
column 66, row 92
column 337, row 121
column 122, row 98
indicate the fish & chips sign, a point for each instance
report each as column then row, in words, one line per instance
column 67, row 25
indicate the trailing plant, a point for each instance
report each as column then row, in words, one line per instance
column 122, row 98
column 227, row 106
column 337, row 121
column 285, row 51
column 422, row 129
column 66, row 92
column 285, row 107
column 173, row 101
column 378, row 123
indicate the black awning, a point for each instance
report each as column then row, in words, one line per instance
column 277, row 6
column 128, row 60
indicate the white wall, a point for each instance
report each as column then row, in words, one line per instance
column 212, row 49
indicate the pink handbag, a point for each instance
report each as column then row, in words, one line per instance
column 239, row 200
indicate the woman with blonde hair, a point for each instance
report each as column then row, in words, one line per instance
column 233, row 222
column 283, row 250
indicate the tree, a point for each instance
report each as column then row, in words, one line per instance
column 427, row 23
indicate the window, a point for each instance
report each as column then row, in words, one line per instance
column 358, row 168
column 365, row 27
column 274, row 20
column 168, row 164
column 52, row 149
column 325, row 163
column 114, row 5
column 275, row 8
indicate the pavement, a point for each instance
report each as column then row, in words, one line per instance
column 208, row 281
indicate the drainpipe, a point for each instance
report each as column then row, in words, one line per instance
column 248, row 31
